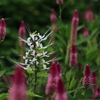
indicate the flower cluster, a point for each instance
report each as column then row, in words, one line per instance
column 36, row 52
column 55, row 83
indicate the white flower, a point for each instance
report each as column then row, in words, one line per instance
column 35, row 54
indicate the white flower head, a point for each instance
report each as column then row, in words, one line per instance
column 36, row 52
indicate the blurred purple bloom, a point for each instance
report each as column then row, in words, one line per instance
column 89, row 16
column 18, row 85
column 2, row 29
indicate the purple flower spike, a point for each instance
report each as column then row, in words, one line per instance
column 22, row 33
column 58, row 68
column 18, row 85
column 73, row 56
column 55, row 73
column 87, row 71
column 60, row 91
column 87, row 77
column 2, row 29
column 75, row 22
column 94, row 81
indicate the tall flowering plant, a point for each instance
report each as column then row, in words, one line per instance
column 36, row 54
column 17, row 89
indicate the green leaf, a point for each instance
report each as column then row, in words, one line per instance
column 72, row 83
column 81, row 87
column 43, row 73
column 82, row 40
column 61, row 39
column 92, row 54
column 3, row 96
column 94, row 32
column 2, row 72
column 80, row 27
column 31, row 94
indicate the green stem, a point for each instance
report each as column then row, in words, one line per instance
column 35, row 85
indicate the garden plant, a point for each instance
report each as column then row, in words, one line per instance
column 58, row 62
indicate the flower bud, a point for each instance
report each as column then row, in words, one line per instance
column 22, row 33
column 59, row 2
column 89, row 15
column 85, row 32
column 53, row 15
column 2, row 29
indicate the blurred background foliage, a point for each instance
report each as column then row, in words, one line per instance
column 36, row 14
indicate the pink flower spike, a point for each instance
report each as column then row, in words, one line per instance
column 87, row 77
column 59, row 2
column 55, row 73
column 73, row 49
column 22, row 33
column 53, row 69
column 87, row 71
column 61, row 92
column 73, row 56
column 75, row 22
column 58, row 68
column 2, row 29
column 94, row 81
column 18, row 85
column 52, row 80
column 85, row 32
column 53, row 15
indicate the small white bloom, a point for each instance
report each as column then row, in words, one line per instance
column 26, row 61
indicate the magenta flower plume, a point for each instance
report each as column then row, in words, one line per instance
column 59, row 2
column 85, row 32
column 73, row 56
column 58, row 68
column 22, row 33
column 52, row 79
column 87, row 77
column 2, row 29
column 18, row 85
column 94, row 81
column 75, row 22
column 89, row 16
column 97, row 94
column 60, row 90
column 53, row 15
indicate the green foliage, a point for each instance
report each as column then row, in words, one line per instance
column 3, row 96
column 36, row 14
column 2, row 72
